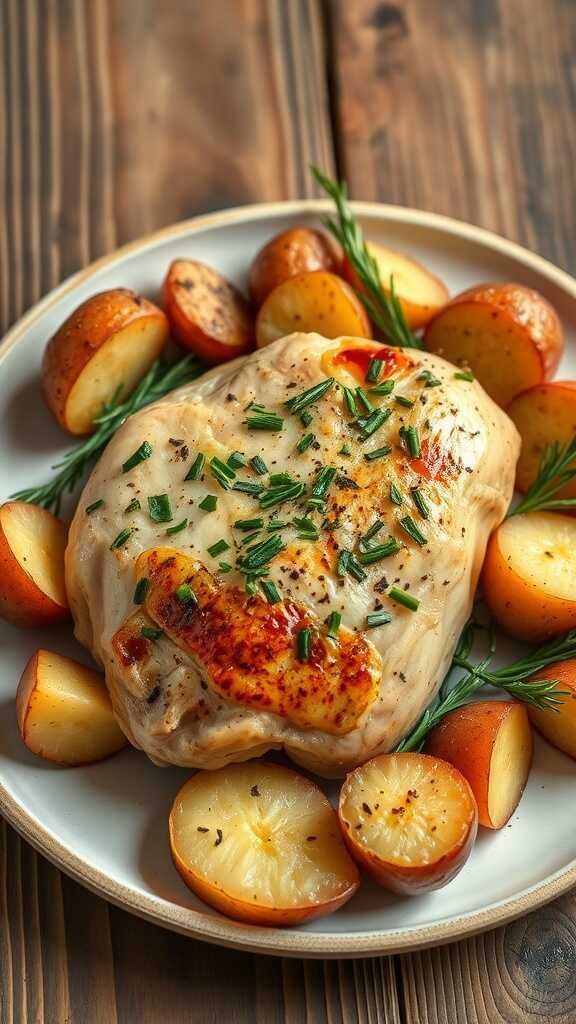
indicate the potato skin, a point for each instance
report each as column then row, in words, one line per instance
column 207, row 314
column 291, row 252
column 465, row 738
column 558, row 727
column 543, row 414
column 21, row 601
column 79, row 337
column 523, row 610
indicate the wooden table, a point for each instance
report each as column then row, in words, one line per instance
column 119, row 116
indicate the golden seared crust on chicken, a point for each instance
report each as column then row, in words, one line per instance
column 324, row 560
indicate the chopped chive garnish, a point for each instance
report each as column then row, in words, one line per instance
column 278, row 495
column 311, row 395
column 177, row 528
column 133, row 506
column 247, row 487
column 208, row 504
column 306, row 418
column 395, row 495
column 224, row 567
column 249, row 538
column 331, row 524
column 305, row 442
column 95, row 504
column 420, row 502
column 355, row 569
column 141, row 589
column 334, row 620
column 276, row 524
column 430, row 381
column 140, row 455
column 370, row 424
column 376, row 554
column 159, row 508
column 372, row 531
column 350, row 400
column 195, row 471
column 319, row 503
column 342, row 564
column 409, row 435
column 258, row 465
column 236, row 460
column 251, row 585
column 279, row 479
column 151, row 633
column 304, row 639
column 378, row 619
column 374, row 370
column 386, row 387
column 307, row 529
column 247, row 525
column 122, row 537
column 408, row 524
column 464, row 375
column 364, row 400
column 218, row 548
column 377, row 453
column 270, row 591
column 345, row 450
column 401, row 597
column 185, row 594
column 260, row 554
column 323, row 480
column 403, row 400
column 222, row 473
column 264, row 421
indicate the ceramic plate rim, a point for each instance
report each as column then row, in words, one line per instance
column 220, row 930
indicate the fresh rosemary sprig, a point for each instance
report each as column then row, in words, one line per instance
column 160, row 379
column 383, row 307
column 557, row 468
column 514, row 679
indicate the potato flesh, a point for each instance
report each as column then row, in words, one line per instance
column 69, row 717
column 509, row 766
column 541, row 549
column 411, row 811
column 543, row 415
column 122, row 360
column 37, row 540
column 316, row 301
column 498, row 351
column 412, row 283
column 280, row 844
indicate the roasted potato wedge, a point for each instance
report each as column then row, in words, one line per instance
column 543, row 415
column 410, row 820
column 529, row 575
column 508, row 335
column 315, row 301
column 102, row 350
column 64, row 712
column 261, row 844
column 421, row 293
column 490, row 743
column 292, row 252
column 558, row 726
column 207, row 314
column 32, row 544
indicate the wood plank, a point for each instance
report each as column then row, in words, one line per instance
column 468, row 108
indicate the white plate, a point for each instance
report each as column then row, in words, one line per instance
column 106, row 824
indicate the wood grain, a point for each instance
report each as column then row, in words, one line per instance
column 120, row 116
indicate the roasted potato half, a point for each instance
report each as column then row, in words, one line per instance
column 32, row 544
column 507, row 334
column 101, row 351
column 314, row 301
column 207, row 314
column 261, row 843
column 420, row 292
column 543, row 415
column 292, row 252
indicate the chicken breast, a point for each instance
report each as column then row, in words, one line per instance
column 237, row 583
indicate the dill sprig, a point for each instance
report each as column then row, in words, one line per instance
column 383, row 307
column 557, row 468
column 160, row 379
column 514, row 680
